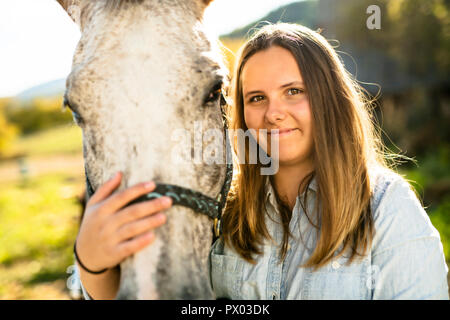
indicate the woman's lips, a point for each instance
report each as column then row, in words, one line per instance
column 281, row 132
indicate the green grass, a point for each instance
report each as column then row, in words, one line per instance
column 66, row 139
column 38, row 225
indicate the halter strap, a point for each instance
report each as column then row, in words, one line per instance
column 194, row 200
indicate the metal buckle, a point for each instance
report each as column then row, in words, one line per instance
column 216, row 227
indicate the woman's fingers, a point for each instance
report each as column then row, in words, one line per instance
column 127, row 248
column 141, row 226
column 117, row 232
column 106, row 189
column 140, row 210
column 119, row 200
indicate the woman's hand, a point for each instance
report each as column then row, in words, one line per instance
column 109, row 233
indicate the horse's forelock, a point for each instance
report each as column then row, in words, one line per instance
column 116, row 4
column 120, row 3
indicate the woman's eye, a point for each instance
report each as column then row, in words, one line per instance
column 294, row 91
column 256, row 98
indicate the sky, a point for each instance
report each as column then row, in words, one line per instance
column 37, row 38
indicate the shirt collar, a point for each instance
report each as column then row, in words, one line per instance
column 271, row 194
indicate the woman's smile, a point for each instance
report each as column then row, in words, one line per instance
column 281, row 132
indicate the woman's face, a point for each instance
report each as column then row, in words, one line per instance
column 275, row 97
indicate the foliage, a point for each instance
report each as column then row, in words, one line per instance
column 409, row 58
column 407, row 26
column 38, row 114
column 431, row 177
column 8, row 132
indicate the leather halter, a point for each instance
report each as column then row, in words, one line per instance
column 192, row 199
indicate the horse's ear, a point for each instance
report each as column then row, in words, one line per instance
column 207, row 2
column 72, row 7
column 63, row 4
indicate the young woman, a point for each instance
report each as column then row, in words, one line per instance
column 334, row 222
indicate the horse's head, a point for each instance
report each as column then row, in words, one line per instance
column 143, row 70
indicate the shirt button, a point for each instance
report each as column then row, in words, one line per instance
column 335, row 265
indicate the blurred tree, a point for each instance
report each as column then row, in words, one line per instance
column 8, row 132
column 416, row 32
column 420, row 35
column 39, row 114
column 409, row 57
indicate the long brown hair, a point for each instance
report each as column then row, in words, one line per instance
column 344, row 136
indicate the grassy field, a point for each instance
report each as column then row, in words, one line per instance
column 39, row 220
column 39, row 217
column 65, row 139
column 39, row 214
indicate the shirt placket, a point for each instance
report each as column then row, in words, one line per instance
column 296, row 214
column 275, row 269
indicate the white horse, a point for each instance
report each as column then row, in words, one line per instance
column 142, row 70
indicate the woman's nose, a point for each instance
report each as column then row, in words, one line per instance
column 275, row 112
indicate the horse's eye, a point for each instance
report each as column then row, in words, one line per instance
column 76, row 116
column 215, row 94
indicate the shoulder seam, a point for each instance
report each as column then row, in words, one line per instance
column 382, row 197
column 402, row 243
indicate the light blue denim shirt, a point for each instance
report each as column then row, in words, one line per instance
column 405, row 261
